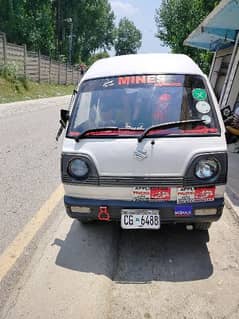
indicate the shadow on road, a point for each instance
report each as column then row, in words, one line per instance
column 233, row 196
column 89, row 248
column 171, row 254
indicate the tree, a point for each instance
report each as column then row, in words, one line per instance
column 128, row 38
column 59, row 27
column 176, row 19
column 7, row 21
column 96, row 29
column 97, row 56
column 93, row 26
column 28, row 22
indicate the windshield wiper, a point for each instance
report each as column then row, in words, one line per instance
column 107, row 128
column 168, row 125
column 99, row 129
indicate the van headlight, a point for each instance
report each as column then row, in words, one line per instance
column 78, row 168
column 206, row 168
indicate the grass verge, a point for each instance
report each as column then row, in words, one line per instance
column 10, row 93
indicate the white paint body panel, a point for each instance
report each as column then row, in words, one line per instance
column 167, row 157
column 118, row 193
column 148, row 63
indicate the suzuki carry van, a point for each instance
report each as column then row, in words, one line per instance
column 144, row 144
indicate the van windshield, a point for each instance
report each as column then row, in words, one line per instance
column 135, row 103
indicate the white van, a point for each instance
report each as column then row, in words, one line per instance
column 145, row 144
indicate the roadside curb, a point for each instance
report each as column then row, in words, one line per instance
column 232, row 201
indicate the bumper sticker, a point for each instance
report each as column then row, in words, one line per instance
column 160, row 193
column 193, row 195
column 183, row 211
column 205, row 194
column 141, row 193
column 185, row 195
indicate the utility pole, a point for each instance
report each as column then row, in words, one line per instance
column 58, row 28
column 70, row 21
column 70, row 42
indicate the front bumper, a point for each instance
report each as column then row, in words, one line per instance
column 167, row 210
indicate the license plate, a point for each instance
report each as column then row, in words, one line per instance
column 140, row 218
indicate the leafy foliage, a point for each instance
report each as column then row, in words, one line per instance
column 9, row 72
column 58, row 27
column 128, row 38
column 97, row 56
column 29, row 22
column 92, row 27
column 176, row 19
column 26, row 90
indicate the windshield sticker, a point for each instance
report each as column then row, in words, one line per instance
column 146, row 79
column 199, row 94
column 206, row 119
column 108, row 83
column 172, row 84
column 203, row 107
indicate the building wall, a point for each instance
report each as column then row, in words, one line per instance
column 219, row 70
column 234, row 94
column 224, row 76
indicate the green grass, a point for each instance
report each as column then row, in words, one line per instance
column 11, row 92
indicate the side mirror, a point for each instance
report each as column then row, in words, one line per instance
column 64, row 114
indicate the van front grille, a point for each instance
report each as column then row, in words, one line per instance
column 140, row 181
column 117, row 181
column 125, row 181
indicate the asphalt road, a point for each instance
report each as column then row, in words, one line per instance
column 101, row 271
column 29, row 161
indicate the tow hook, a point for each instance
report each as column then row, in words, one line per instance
column 103, row 213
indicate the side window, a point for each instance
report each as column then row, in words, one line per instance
column 84, row 103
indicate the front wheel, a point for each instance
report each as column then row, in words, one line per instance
column 202, row 226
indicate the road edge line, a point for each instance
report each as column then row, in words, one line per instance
column 11, row 254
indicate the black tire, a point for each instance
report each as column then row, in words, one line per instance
column 202, row 226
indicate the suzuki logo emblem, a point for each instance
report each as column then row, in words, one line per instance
column 140, row 155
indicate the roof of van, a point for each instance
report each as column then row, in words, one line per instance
column 147, row 63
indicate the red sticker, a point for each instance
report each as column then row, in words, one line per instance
column 205, row 194
column 160, row 193
column 146, row 79
column 73, row 133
